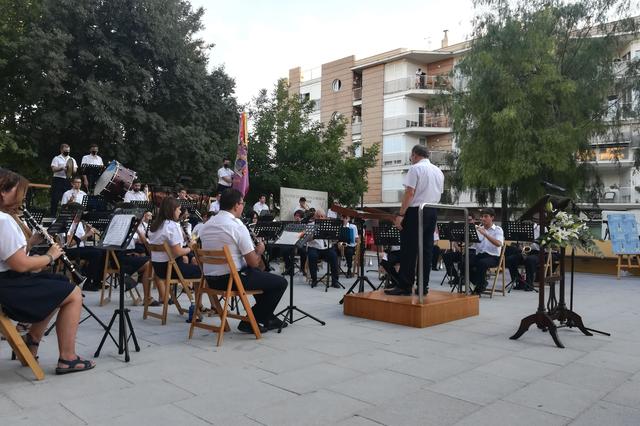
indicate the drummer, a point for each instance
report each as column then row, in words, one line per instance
column 60, row 183
column 91, row 175
column 135, row 194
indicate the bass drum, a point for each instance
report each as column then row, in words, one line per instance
column 114, row 182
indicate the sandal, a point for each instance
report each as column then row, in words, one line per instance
column 71, row 365
column 28, row 340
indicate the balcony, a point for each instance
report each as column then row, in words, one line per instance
column 427, row 123
column 357, row 93
column 356, row 125
column 622, row 111
column 316, row 105
column 425, row 85
column 622, row 195
column 609, row 156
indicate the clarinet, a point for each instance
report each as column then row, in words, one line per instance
column 77, row 276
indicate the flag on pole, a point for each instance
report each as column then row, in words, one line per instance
column 241, row 166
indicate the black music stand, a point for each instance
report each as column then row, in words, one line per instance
column 307, row 231
column 92, row 172
column 456, row 230
column 519, row 232
column 145, row 205
column 362, row 278
column 120, row 242
column 544, row 318
column 269, row 232
column 95, row 203
column 327, row 229
column 385, row 235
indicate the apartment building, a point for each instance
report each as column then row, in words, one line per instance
column 386, row 100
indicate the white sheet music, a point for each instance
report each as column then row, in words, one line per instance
column 118, row 230
column 289, row 238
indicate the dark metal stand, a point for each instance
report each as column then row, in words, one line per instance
column 122, row 314
column 362, row 278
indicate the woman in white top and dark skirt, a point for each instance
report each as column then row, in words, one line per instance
column 33, row 297
column 165, row 228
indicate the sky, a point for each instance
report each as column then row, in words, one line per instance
column 257, row 42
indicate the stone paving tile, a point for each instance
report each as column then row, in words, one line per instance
column 555, row 398
column 516, row 368
column 604, row 413
column 551, row 354
column 621, row 362
column 311, row 378
column 226, row 404
column 476, row 353
column 627, row 394
column 8, row 406
column 164, row 415
column 357, row 421
column 421, row 347
column 317, row 408
column 622, row 346
column 422, row 408
column 588, row 376
column 434, row 368
column 477, row 387
column 51, row 415
column 290, row 360
column 379, row 387
column 507, row 413
column 141, row 399
column 370, row 361
column 340, row 348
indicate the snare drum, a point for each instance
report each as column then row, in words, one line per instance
column 114, row 182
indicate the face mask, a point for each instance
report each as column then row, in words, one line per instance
column 226, row 166
column 94, row 152
column 65, row 153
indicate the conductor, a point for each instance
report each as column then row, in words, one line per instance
column 423, row 183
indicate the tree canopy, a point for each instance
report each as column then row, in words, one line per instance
column 130, row 76
column 289, row 149
column 536, row 82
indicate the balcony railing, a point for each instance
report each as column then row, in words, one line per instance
column 356, row 126
column 399, row 159
column 424, row 82
column 428, row 120
column 316, row 105
column 608, row 155
column 625, row 194
column 357, row 93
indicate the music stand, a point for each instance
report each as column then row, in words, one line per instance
column 117, row 237
column 305, row 234
column 95, row 203
column 92, row 172
column 456, row 230
column 519, row 232
column 327, row 229
column 386, row 235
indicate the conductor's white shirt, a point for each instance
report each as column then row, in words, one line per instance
column 427, row 180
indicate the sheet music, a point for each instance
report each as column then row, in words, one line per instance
column 118, row 230
column 289, row 238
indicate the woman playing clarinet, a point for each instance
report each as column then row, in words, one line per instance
column 27, row 295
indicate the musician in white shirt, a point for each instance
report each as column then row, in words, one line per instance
column 319, row 249
column 60, row 183
column 261, row 204
column 350, row 245
column 75, row 194
column 214, row 206
column 225, row 175
column 134, row 194
column 93, row 159
column 487, row 251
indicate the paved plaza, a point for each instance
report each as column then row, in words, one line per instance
column 351, row 371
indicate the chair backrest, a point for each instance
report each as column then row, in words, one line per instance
column 171, row 264
column 220, row 257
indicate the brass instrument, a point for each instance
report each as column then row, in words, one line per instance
column 526, row 249
column 68, row 169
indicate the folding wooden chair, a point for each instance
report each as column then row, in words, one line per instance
column 170, row 285
column 110, row 277
column 495, row 272
column 9, row 331
column 234, row 289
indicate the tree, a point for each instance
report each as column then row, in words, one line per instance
column 130, row 76
column 537, row 79
column 288, row 149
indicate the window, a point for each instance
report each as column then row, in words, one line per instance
column 336, row 85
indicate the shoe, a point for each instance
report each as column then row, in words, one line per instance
column 275, row 324
column 314, row 283
column 425, row 291
column 434, row 268
column 397, row 291
column 335, row 285
column 349, row 273
column 245, row 327
column 154, row 303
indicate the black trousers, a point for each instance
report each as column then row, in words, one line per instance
column 94, row 261
column 512, row 262
column 58, row 187
column 478, row 265
column 409, row 248
column 435, row 255
column 272, row 286
column 222, row 188
column 348, row 255
column 285, row 252
column 328, row 254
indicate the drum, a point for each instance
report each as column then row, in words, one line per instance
column 114, row 182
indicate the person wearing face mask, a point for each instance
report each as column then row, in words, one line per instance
column 91, row 175
column 225, row 176
column 60, row 184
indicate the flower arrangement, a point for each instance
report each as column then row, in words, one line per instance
column 568, row 230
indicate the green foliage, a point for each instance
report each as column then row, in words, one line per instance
column 288, row 149
column 129, row 76
column 537, row 84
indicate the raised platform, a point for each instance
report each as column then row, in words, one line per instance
column 439, row 307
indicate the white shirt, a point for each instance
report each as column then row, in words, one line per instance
column 12, row 240
column 225, row 229
column 79, row 196
column 80, row 233
column 331, row 214
column 142, row 229
column 135, row 196
column 214, row 206
column 197, row 228
column 222, row 172
column 60, row 161
column 299, row 208
column 486, row 246
column 171, row 233
column 94, row 160
column 427, row 180
column 258, row 207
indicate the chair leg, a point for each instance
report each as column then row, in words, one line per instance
column 165, row 303
column 146, row 294
column 21, row 350
column 196, row 312
column 223, row 319
column 249, row 311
